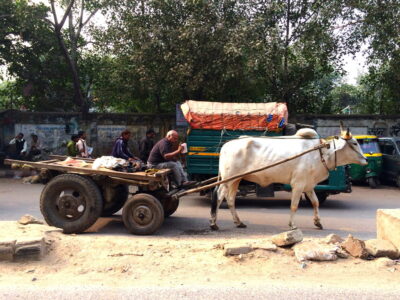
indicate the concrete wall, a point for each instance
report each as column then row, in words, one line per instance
column 328, row 125
column 55, row 129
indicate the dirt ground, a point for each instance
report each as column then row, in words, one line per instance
column 189, row 260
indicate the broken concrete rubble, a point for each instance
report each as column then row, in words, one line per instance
column 236, row 249
column 333, row 239
column 388, row 225
column 287, row 238
column 32, row 248
column 28, row 219
column 355, row 247
column 311, row 250
column 381, row 248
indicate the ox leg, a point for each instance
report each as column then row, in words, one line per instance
column 296, row 195
column 231, row 204
column 315, row 203
column 217, row 197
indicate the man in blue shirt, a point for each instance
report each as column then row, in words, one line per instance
column 121, row 150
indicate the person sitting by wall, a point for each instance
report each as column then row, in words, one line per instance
column 83, row 149
column 19, row 147
column 146, row 144
column 35, row 147
column 72, row 149
column 120, row 148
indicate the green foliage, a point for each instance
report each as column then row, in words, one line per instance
column 29, row 49
column 220, row 50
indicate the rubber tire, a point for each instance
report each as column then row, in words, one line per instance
column 151, row 203
column 322, row 196
column 372, row 182
column 398, row 180
column 84, row 184
column 171, row 209
column 118, row 201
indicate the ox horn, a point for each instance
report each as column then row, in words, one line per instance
column 346, row 134
column 341, row 126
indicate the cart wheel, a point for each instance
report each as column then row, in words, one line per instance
column 373, row 183
column 142, row 214
column 121, row 193
column 71, row 202
column 170, row 207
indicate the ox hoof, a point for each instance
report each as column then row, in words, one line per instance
column 241, row 225
column 214, row 227
column 318, row 224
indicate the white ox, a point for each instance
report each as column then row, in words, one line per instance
column 303, row 173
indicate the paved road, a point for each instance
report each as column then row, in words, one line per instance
column 342, row 214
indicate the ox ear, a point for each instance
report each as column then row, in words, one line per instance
column 337, row 144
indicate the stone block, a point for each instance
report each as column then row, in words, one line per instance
column 388, row 226
column 236, row 249
column 381, row 248
column 333, row 239
column 33, row 248
column 28, row 219
column 265, row 245
column 355, row 247
column 7, row 249
column 287, row 238
column 310, row 250
column 384, row 262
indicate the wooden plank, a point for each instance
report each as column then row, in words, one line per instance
column 64, row 157
column 52, row 166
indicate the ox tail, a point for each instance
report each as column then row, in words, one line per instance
column 214, row 201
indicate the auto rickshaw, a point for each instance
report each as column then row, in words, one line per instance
column 371, row 172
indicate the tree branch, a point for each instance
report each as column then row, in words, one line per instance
column 67, row 11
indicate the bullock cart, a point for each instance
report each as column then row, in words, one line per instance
column 74, row 197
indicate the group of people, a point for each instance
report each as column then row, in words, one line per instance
column 19, row 149
column 77, row 145
column 162, row 155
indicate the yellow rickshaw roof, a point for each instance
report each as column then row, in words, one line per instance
column 365, row 136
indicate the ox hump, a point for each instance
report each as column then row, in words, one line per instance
column 307, row 133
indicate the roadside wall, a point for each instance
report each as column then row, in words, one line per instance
column 55, row 129
column 328, row 125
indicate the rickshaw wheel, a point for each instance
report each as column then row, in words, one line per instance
column 142, row 214
column 398, row 180
column 372, row 182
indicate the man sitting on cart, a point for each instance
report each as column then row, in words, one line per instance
column 162, row 156
column 121, row 150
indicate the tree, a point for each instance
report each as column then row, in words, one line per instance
column 70, row 40
column 29, row 50
column 379, row 27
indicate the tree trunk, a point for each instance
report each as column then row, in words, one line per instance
column 285, row 95
column 79, row 100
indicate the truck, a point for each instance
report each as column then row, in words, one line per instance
column 204, row 145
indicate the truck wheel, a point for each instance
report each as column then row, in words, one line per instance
column 372, row 182
column 142, row 214
column 322, row 196
column 398, row 180
column 117, row 201
column 71, row 202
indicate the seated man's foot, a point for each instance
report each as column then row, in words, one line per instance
column 188, row 183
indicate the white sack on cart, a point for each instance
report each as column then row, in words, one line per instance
column 109, row 162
